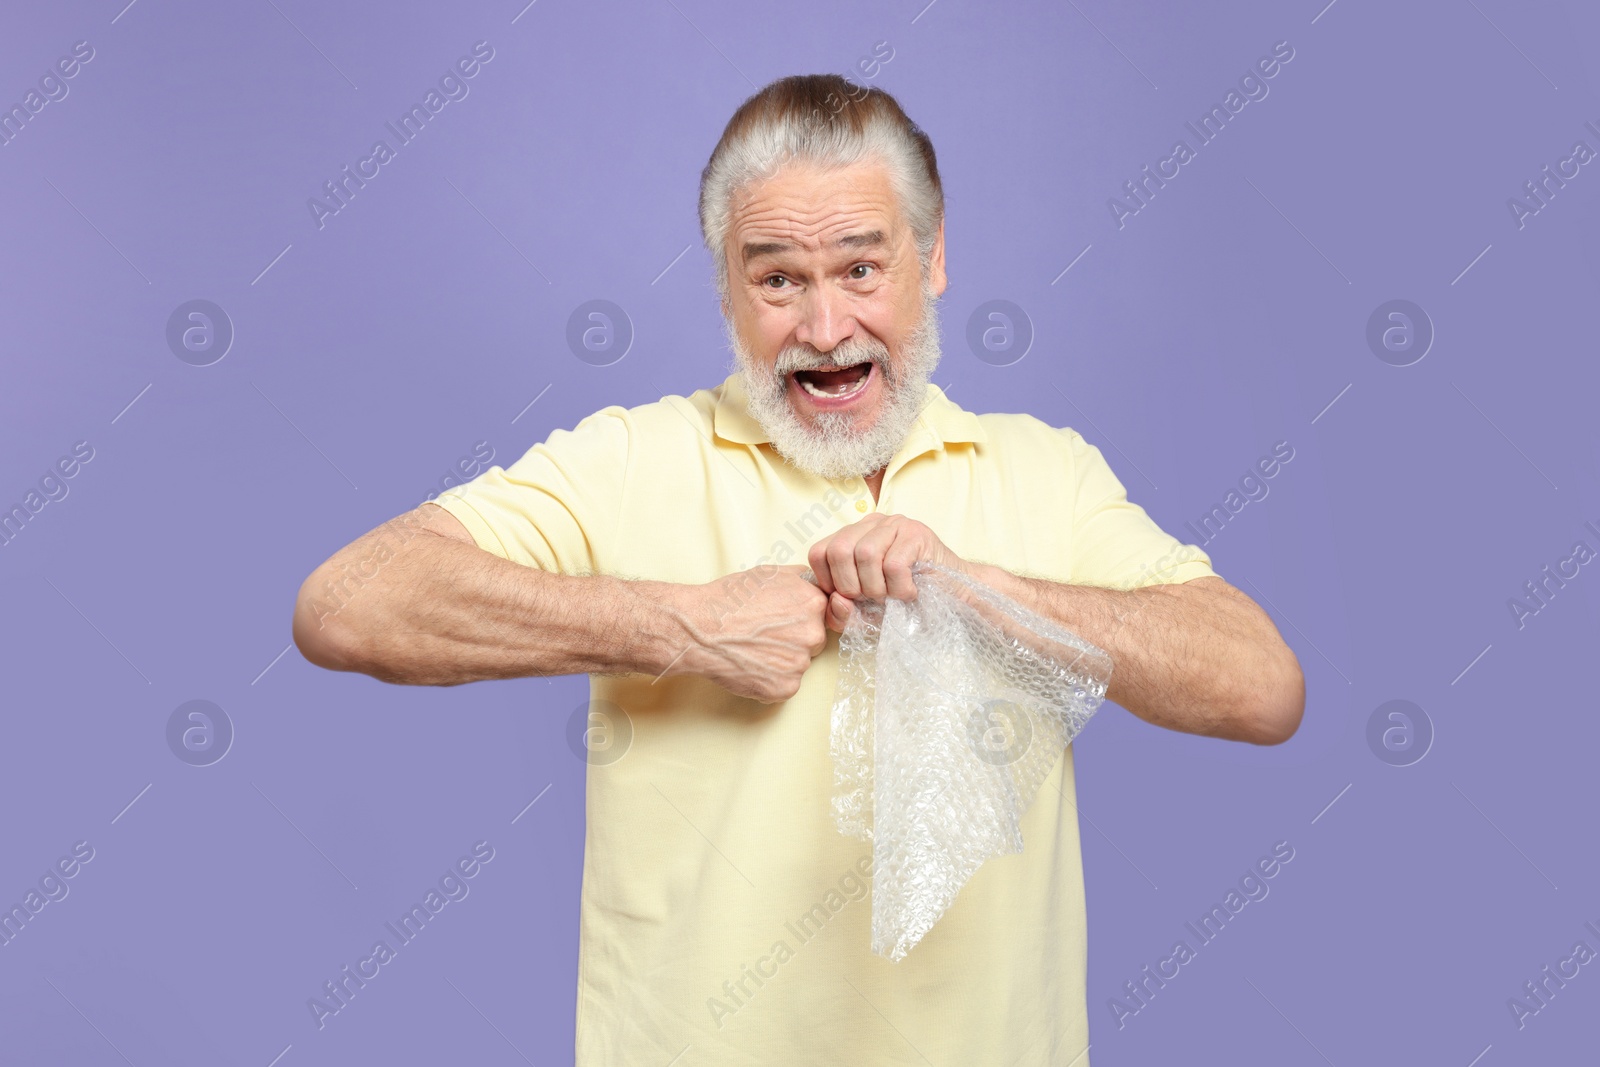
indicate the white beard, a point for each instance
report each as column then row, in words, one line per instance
column 828, row 444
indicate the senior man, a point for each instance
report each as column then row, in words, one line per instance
column 662, row 549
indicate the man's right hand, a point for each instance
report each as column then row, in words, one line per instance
column 417, row 602
column 753, row 632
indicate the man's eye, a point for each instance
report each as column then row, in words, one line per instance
column 772, row 278
column 858, row 267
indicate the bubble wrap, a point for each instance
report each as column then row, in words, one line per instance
column 950, row 712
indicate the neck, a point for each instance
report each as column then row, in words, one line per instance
column 874, row 482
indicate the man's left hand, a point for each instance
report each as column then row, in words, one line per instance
column 872, row 558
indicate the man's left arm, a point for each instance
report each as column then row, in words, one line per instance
column 1198, row 656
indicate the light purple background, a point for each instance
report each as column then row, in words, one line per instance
column 425, row 316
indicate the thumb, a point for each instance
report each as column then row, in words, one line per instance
column 839, row 611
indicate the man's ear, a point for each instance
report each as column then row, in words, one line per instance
column 936, row 263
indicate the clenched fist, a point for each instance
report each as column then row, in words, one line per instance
column 872, row 559
column 753, row 632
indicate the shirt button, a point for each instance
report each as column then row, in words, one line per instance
column 861, row 505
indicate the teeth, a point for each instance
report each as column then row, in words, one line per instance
column 847, row 390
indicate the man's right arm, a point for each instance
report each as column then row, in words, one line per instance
column 416, row 602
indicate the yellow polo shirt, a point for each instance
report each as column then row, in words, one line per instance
column 723, row 917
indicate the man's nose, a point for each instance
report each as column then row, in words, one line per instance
column 826, row 319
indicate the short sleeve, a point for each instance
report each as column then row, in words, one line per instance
column 556, row 508
column 1115, row 544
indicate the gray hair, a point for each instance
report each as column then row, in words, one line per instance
column 829, row 121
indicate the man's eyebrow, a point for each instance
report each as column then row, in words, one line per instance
column 869, row 239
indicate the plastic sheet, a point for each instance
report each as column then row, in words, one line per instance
column 951, row 711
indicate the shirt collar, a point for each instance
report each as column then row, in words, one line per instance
column 942, row 421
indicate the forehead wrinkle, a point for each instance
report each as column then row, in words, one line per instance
column 799, row 213
column 849, row 228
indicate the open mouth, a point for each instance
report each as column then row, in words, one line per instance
column 834, row 384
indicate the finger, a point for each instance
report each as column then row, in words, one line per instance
column 836, row 546
column 817, row 556
column 869, row 554
column 840, row 554
column 819, row 640
column 897, row 561
column 823, row 557
column 839, row 610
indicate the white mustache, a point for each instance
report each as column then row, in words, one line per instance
column 789, row 362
